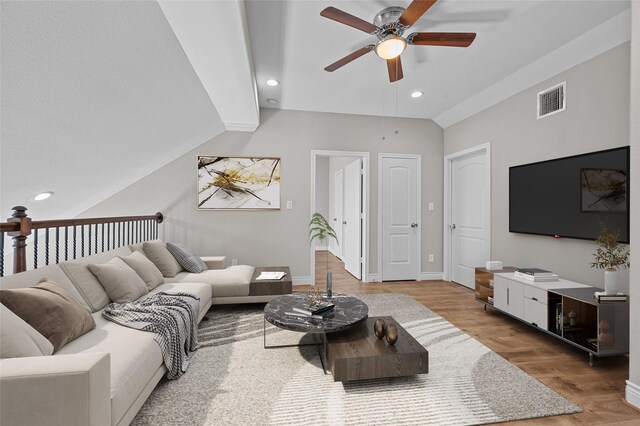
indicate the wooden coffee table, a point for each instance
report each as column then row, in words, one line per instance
column 357, row 354
column 270, row 287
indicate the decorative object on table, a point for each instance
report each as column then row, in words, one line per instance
column 572, row 318
column 610, row 256
column 379, row 328
column 493, row 265
column 319, row 228
column 238, row 183
column 603, row 296
column 314, row 297
column 392, row 334
column 604, row 190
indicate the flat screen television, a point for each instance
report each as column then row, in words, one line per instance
column 569, row 197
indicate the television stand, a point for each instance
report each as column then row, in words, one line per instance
column 566, row 310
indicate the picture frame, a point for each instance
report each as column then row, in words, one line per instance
column 238, row 183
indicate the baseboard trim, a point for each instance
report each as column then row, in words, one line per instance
column 322, row 248
column 374, row 278
column 302, row 280
column 431, row 276
column 632, row 394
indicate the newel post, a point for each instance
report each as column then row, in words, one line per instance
column 20, row 238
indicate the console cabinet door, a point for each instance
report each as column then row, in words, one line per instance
column 500, row 289
column 516, row 299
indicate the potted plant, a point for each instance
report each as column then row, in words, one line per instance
column 319, row 228
column 610, row 256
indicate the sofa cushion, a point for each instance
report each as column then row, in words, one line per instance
column 120, row 281
column 230, row 282
column 186, row 259
column 50, row 273
column 135, row 359
column 145, row 268
column 52, row 311
column 202, row 290
column 19, row 339
column 157, row 252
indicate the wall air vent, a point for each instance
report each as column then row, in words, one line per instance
column 552, row 100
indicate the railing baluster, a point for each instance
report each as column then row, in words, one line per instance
column 75, row 229
column 82, row 241
column 46, row 246
column 1, row 254
column 35, row 250
column 57, row 245
column 95, row 232
column 103, row 238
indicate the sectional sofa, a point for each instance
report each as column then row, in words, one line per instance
column 104, row 376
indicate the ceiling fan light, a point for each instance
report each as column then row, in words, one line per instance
column 391, row 47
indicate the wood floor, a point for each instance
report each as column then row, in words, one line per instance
column 598, row 390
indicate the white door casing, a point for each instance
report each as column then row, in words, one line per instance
column 400, row 208
column 338, row 214
column 467, row 214
column 352, row 225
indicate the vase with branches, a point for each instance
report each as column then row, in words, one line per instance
column 321, row 230
column 610, row 256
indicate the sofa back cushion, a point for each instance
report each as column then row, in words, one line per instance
column 86, row 282
column 145, row 268
column 157, row 252
column 122, row 284
column 51, row 310
column 19, row 339
column 186, row 259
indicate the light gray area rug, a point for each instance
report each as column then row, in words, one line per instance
column 233, row 380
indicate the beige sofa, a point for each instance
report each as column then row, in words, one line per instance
column 104, row 376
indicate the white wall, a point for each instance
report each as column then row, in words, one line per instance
column 281, row 237
column 633, row 388
column 597, row 117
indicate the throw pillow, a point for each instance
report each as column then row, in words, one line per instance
column 51, row 310
column 160, row 256
column 121, row 283
column 19, row 339
column 186, row 259
column 145, row 268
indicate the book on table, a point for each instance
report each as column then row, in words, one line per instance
column 536, row 278
column 271, row 275
column 322, row 309
column 603, row 296
column 536, row 272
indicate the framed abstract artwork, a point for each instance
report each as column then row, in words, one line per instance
column 238, row 183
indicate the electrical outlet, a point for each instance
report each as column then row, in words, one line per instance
column 289, row 205
column 431, row 207
column 234, row 262
column 431, row 258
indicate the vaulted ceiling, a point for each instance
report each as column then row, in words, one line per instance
column 95, row 95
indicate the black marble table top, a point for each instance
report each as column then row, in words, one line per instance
column 348, row 312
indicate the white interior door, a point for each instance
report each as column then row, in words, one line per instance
column 400, row 213
column 469, row 222
column 352, row 224
column 338, row 217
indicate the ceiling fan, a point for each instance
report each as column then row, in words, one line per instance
column 388, row 25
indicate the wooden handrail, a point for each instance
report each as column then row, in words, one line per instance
column 19, row 226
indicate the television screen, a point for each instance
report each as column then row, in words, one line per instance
column 571, row 196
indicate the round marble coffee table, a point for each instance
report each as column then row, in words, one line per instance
column 348, row 312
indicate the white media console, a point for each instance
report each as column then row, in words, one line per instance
column 564, row 309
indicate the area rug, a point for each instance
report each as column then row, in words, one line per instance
column 233, row 380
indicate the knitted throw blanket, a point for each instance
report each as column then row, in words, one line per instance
column 172, row 317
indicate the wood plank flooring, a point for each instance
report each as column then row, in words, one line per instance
column 598, row 390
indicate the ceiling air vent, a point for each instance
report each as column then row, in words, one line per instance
column 552, row 100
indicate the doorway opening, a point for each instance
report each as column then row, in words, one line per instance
column 340, row 193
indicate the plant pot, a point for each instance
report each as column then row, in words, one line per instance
column 611, row 280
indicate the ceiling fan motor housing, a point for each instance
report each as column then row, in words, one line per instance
column 387, row 21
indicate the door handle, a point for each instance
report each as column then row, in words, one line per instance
column 452, row 226
column 335, row 219
column 344, row 222
column 414, row 225
column 507, row 295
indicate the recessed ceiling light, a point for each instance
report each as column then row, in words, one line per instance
column 43, row 196
column 272, row 101
column 416, row 94
column 272, row 82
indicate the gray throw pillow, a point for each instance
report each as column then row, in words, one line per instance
column 121, row 283
column 145, row 268
column 51, row 310
column 186, row 259
column 157, row 252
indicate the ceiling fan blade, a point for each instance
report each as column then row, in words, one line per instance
column 395, row 69
column 415, row 10
column 347, row 19
column 442, row 39
column 350, row 57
